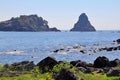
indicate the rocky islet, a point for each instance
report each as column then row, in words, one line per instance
column 83, row 24
column 26, row 23
column 35, row 23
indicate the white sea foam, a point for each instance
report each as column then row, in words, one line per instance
column 12, row 52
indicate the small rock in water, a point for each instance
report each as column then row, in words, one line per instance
column 118, row 41
column 56, row 51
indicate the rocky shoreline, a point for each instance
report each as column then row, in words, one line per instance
column 100, row 65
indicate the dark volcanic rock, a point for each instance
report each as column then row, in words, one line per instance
column 54, row 29
column 113, row 72
column 25, row 23
column 65, row 74
column 110, row 48
column 81, row 69
column 20, row 66
column 89, row 70
column 81, row 64
column 101, row 62
column 118, row 41
column 47, row 64
column 83, row 24
column 114, row 63
column 75, row 62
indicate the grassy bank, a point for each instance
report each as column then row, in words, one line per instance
column 36, row 74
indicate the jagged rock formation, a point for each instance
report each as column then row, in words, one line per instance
column 83, row 24
column 26, row 23
column 54, row 29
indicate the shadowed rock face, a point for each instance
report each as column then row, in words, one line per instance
column 65, row 74
column 83, row 24
column 54, row 29
column 25, row 23
column 47, row 64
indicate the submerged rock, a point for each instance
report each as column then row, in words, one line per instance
column 83, row 24
column 110, row 48
column 118, row 41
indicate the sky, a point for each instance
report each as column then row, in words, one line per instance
column 63, row 14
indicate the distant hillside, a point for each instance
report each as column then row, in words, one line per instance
column 83, row 24
column 26, row 23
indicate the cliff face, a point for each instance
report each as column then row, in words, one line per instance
column 25, row 23
column 83, row 24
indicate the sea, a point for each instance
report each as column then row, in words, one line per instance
column 35, row 46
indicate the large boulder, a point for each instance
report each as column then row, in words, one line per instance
column 81, row 64
column 114, row 63
column 101, row 62
column 82, row 69
column 89, row 70
column 114, row 72
column 47, row 64
column 75, row 62
column 20, row 66
column 65, row 74
column 83, row 24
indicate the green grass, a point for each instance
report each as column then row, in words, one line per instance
column 36, row 74
column 45, row 76
column 1, row 67
column 118, row 66
column 95, row 76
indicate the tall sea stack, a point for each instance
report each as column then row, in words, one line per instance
column 83, row 24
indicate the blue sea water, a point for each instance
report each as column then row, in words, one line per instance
column 35, row 46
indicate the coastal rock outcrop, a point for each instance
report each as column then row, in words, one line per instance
column 83, row 24
column 62, row 70
column 20, row 66
column 113, row 72
column 65, row 74
column 47, row 64
column 101, row 62
column 54, row 29
column 26, row 23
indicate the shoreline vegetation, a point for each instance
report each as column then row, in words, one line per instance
column 51, row 69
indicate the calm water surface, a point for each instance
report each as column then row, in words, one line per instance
column 37, row 45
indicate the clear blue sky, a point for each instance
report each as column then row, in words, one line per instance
column 63, row 14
